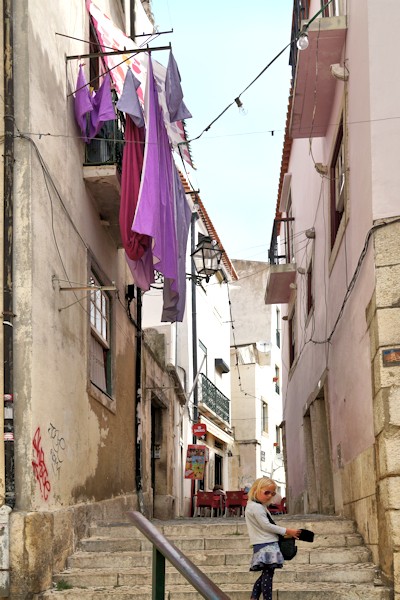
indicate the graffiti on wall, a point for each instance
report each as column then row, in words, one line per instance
column 57, row 450
column 39, row 465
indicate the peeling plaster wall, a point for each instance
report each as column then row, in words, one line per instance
column 57, row 235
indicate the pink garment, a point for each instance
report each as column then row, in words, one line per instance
column 142, row 270
column 103, row 107
column 135, row 244
column 174, row 298
column 82, row 103
column 98, row 107
column 155, row 209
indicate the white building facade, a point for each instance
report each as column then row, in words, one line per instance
column 256, row 379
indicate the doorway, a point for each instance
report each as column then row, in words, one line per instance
column 158, row 449
column 218, row 469
column 320, row 492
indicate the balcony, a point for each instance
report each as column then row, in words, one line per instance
column 282, row 270
column 102, row 174
column 213, row 403
column 314, row 85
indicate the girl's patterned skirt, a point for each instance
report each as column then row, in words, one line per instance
column 266, row 555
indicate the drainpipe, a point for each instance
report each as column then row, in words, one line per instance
column 194, row 218
column 8, row 312
column 139, row 405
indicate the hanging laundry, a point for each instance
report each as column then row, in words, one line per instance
column 129, row 100
column 155, row 209
column 82, row 103
column 174, row 301
column 173, row 92
column 142, row 270
column 138, row 251
column 111, row 36
column 98, row 106
column 103, row 107
column 135, row 244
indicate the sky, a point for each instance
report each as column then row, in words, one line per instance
column 220, row 48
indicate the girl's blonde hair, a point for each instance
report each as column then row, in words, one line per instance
column 258, row 486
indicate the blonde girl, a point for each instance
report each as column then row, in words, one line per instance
column 264, row 536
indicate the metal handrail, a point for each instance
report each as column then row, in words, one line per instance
column 163, row 548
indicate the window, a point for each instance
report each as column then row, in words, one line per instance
column 338, row 184
column 94, row 62
column 310, row 296
column 276, row 380
column 278, row 443
column 265, row 417
column 202, row 359
column 278, row 327
column 290, row 231
column 292, row 337
column 100, row 351
column 333, row 10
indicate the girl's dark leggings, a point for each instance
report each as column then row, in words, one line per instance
column 263, row 585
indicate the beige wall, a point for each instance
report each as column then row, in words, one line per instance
column 343, row 356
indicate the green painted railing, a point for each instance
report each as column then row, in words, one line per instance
column 164, row 549
column 212, row 397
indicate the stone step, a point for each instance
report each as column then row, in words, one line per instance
column 232, row 543
column 201, row 526
column 115, row 562
column 292, row 591
column 349, row 573
column 320, row 541
column 106, row 553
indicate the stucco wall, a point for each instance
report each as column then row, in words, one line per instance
column 57, row 235
column 355, row 317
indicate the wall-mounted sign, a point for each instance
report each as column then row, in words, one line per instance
column 199, row 429
column 195, row 462
column 391, row 357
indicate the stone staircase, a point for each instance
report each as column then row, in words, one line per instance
column 114, row 563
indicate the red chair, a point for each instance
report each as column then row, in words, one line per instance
column 278, row 509
column 205, row 500
column 235, row 503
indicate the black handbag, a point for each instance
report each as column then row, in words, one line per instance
column 287, row 545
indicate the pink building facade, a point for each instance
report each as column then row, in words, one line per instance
column 335, row 266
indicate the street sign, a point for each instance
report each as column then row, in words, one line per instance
column 199, row 429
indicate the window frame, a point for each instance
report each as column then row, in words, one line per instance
column 264, row 416
column 277, row 380
column 278, row 327
column 310, row 290
column 104, row 395
column 292, row 334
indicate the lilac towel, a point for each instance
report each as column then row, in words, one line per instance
column 173, row 92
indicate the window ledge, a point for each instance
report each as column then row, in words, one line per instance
column 102, row 397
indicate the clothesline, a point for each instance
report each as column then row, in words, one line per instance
column 134, row 52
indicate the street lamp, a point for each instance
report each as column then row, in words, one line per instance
column 206, row 257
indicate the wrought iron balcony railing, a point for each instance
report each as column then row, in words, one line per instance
column 284, row 254
column 211, row 397
column 108, row 146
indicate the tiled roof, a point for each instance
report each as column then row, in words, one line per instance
column 209, row 226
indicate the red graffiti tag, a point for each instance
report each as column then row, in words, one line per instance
column 39, row 465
